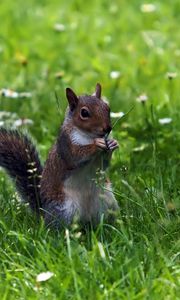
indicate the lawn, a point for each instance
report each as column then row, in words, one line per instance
column 133, row 49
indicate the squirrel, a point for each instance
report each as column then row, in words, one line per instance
column 65, row 188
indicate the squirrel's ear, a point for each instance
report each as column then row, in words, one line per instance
column 98, row 91
column 72, row 99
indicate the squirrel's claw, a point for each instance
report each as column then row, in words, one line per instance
column 106, row 144
column 112, row 144
column 100, row 142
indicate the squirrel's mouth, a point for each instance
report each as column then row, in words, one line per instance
column 105, row 132
column 101, row 135
column 98, row 135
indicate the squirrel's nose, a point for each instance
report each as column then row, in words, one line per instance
column 107, row 129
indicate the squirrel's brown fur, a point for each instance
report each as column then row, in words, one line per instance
column 66, row 187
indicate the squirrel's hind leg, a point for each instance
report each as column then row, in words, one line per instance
column 109, row 204
column 58, row 215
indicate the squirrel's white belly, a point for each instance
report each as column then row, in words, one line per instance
column 82, row 192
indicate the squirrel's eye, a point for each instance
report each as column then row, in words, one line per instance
column 85, row 113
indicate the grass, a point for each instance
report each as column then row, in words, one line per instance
column 137, row 257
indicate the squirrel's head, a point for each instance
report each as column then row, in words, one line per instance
column 89, row 113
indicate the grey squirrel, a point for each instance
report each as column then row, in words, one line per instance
column 66, row 188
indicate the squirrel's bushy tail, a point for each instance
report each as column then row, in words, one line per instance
column 19, row 157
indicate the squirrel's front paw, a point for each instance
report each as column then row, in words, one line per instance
column 112, row 144
column 104, row 144
column 100, row 143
